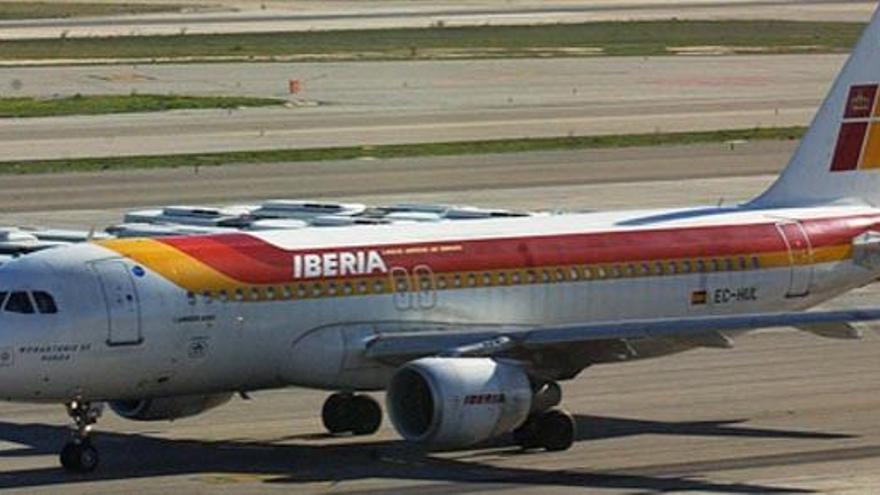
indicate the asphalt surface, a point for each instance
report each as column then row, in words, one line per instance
column 346, row 104
column 310, row 16
column 485, row 179
column 783, row 412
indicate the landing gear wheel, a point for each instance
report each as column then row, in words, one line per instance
column 367, row 415
column 553, row 430
column 79, row 457
column 526, row 436
column 557, row 430
column 333, row 414
column 348, row 413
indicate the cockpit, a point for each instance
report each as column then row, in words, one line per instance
column 28, row 302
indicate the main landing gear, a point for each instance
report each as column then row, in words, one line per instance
column 78, row 455
column 350, row 413
column 546, row 427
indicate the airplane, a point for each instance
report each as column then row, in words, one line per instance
column 469, row 327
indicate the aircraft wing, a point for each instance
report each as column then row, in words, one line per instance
column 487, row 341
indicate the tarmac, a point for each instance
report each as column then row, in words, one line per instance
column 370, row 103
column 243, row 16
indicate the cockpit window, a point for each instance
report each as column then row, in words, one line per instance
column 2, row 298
column 45, row 302
column 19, row 302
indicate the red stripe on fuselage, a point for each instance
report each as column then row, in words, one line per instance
column 251, row 260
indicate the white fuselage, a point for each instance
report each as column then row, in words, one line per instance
column 133, row 323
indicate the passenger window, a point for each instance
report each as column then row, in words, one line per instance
column 45, row 302
column 19, row 302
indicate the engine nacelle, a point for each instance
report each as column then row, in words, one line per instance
column 168, row 408
column 456, row 402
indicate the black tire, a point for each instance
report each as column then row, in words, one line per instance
column 335, row 413
column 556, row 430
column 526, row 436
column 366, row 415
column 79, row 457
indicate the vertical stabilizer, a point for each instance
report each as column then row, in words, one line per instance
column 838, row 159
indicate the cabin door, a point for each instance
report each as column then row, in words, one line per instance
column 121, row 302
column 800, row 257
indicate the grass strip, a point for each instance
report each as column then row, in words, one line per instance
column 605, row 38
column 396, row 151
column 105, row 104
column 55, row 10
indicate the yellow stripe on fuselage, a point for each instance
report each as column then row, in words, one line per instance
column 174, row 265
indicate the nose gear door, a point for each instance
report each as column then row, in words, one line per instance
column 121, row 300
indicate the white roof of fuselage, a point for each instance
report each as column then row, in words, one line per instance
column 461, row 230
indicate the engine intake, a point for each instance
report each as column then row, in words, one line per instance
column 168, row 408
column 457, row 402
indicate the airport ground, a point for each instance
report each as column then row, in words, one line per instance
column 242, row 16
column 369, row 103
column 783, row 412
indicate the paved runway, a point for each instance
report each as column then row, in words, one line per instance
column 310, row 15
column 345, row 104
column 784, row 412
column 578, row 179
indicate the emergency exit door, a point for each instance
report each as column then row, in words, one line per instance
column 800, row 256
column 121, row 301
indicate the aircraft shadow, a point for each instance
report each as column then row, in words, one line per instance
column 133, row 456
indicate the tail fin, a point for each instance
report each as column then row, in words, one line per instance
column 838, row 159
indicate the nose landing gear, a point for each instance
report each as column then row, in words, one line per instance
column 78, row 455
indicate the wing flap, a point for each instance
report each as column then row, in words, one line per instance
column 396, row 345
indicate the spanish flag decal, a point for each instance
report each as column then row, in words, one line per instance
column 698, row 297
column 858, row 141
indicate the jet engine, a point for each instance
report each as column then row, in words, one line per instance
column 451, row 403
column 167, row 408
